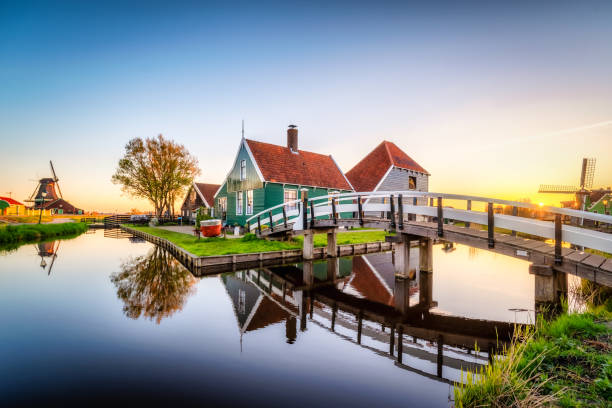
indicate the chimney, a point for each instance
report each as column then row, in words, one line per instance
column 292, row 138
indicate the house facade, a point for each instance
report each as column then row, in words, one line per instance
column 388, row 168
column 199, row 195
column 264, row 175
column 8, row 206
column 600, row 202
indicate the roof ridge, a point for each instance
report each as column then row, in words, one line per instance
column 386, row 143
column 285, row 147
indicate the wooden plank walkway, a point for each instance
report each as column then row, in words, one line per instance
column 593, row 267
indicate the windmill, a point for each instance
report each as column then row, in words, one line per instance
column 586, row 184
column 45, row 191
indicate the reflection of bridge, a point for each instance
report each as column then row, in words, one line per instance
column 398, row 211
column 337, row 295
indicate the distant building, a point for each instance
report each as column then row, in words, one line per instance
column 600, row 202
column 199, row 195
column 8, row 206
column 264, row 175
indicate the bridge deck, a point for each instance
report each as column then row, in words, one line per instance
column 593, row 267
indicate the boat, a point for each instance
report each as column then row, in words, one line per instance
column 210, row 228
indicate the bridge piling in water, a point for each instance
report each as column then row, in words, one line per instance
column 332, row 243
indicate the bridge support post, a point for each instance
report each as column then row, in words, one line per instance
column 550, row 286
column 308, row 273
column 469, row 208
column 333, row 268
column 401, row 294
column 426, row 289
column 402, row 257
column 426, row 255
column 332, row 244
column 308, row 246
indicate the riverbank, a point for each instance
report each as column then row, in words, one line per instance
column 565, row 362
column 251, row 244
column 18, row 234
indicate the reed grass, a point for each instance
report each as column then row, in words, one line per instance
column 12, row 234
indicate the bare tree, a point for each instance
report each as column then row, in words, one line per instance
column 156, row 169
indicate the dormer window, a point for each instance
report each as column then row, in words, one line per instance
column 242, row 170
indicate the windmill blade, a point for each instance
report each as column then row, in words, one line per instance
column 551, row 188
column 56, row 179
column 588, row 173
column 53, row 172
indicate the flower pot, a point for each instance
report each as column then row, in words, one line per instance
column 210, row 228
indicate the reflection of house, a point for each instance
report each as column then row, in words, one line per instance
column 199, row 195
column 388, row 168
column 373, row 278
column 254, row 310
column 265, row 175
column 8, row 206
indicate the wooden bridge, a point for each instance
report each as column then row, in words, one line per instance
column 552, row 246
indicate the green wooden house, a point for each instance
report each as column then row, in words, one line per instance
column 264, row 175
column 599, row 201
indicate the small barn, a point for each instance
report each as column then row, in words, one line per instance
column 8, row 206
column 388, row 168
column 199, row 195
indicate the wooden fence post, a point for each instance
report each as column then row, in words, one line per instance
column 271, row 222
column 259, row 224
column 285, row 216
column 558, row 239
column 491, row 225
column 469, row 208
column 334, row 215
column 392, row 224
column 312, row 216
column 440, row 218
column 400, row 212
column 514, row 214
column 304, row 208
column 360, row 210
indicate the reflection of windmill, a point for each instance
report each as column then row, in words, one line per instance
column 45, row 191
column 45, row 250
column 586, row 183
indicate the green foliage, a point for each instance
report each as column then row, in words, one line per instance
column 201, row 215
column 565, row 362
column 12, row 234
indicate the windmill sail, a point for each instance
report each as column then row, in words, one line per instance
column 587, row 174
column 55, row 179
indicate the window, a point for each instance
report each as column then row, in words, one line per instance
column 291, row 195
column 242, row 170
column 412, row 182
column 249, row 202
column 223, row 204
column 239, row 202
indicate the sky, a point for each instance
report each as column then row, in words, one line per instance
column 491, row 99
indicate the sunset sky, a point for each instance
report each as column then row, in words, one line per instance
column 491, row 99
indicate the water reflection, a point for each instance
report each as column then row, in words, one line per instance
column 154, row 286
column 48, row 254
column 360, row 300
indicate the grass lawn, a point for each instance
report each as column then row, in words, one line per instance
column 249, row 243
column 13, row 234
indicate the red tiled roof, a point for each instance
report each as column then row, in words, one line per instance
column 366, row 174
column 10, row 201
column 280, row 165
column 208, row 191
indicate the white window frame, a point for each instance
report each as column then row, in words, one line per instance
column 242, row 170
column 294, row 205
column 239, row 199
column 223, row 204
column 249, row 209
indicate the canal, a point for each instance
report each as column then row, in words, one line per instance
column 107, row 318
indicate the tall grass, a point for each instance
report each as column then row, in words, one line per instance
column 12, row 234
column 564, row 362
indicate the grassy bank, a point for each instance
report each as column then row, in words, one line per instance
column 12, row 234
column 566, row 362
column 250, row 243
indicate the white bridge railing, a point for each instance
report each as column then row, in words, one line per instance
column 395, row 206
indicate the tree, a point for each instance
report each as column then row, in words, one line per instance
column 156, row 169
column 154, row 286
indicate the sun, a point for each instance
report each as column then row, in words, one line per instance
column 541, row 204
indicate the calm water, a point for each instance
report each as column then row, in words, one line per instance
column 101, row 319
